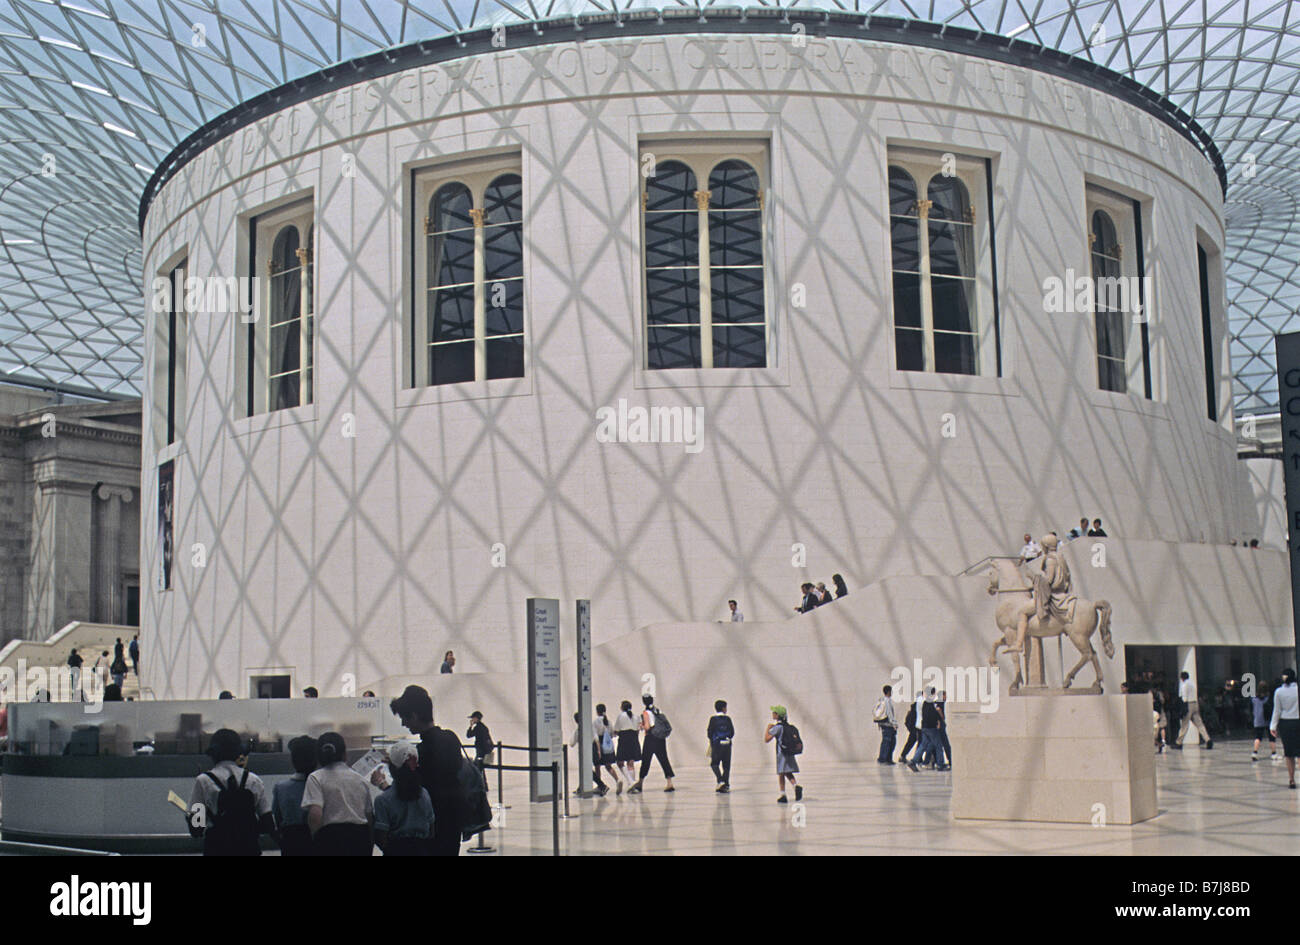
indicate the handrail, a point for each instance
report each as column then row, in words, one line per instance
column 984, row 560
column 14, row 848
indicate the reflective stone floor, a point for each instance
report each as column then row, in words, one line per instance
column 1211, row 802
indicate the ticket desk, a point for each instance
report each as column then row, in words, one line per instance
column 102, row 780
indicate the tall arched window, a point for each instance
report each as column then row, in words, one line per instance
column 289, row 318
column 705, row 297
column 1112, row 361
column 450, row 289
column 469, row 320
column 942, row 286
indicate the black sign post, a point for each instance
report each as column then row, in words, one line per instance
column 1288, row 389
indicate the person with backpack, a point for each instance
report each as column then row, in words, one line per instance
column 286, row 799
column 721, row 731
column 788, row 745
column 656, row 728
column 913, row 733
column 601, row 787
column 74, row 665
column 440, row 760
column 229, row 806
column 603, row 750
column 404, row 815
column 929, row 753
column 884, row 716
column 118, row 670
column 340, row 809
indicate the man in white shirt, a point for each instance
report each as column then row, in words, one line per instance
column 888, row 729
column 1187, row 692
column 1031, row 550
column 736, row 615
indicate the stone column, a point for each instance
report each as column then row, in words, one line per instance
column 59, row 576
column 108, row 565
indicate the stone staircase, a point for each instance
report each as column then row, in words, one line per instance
column 90, row 640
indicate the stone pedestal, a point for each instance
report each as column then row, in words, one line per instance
column 1055, row 759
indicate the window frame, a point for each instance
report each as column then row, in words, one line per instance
column 476, row 175
column 264, row 228
column 170, row 367
column 1123, row 216
column 702, row 158
column 975, row 174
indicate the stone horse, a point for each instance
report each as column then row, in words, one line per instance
column 1086, row 617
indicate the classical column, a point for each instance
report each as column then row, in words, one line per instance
column 58, row 584
column 108, row 563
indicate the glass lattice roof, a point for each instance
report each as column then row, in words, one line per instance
column 93, row 95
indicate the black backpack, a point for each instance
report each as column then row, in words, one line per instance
column 662, row 727
column 791, row 743
column 476, row 809
column 234, row 831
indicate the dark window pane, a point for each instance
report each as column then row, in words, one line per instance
column 672, row 239
column 284, row 392
column 451, row 364
column 909, row 354
column 451, row 258
column 954, row 353
column 503, row 201
column 1111, row 375
column 673, row 348
column 737, row 347
column 505, row 357
column 902, row 192
column 673, row 297
column 451, row 313
column 672, row 187
column 285, row 344
column 1103, row 232
column 735, row 238
column 948, row 198
column 449, row 208
column 284, row 251
column 504, row 309
column 952, row 303
column 737, row 295
column 733, row 185
column 1110, row 334
column 903, row 233
column 952, row 251
column 503, row 251
column 286, row 290
column 907, row 301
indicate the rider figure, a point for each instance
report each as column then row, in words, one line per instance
column 1050, row 592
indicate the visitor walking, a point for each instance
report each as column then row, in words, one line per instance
column 929, row 749
column 887, row 720
column 134, row 651
column 74, row 665
column 118, row 671
column 100, row 669
column 788, row 746
column 629, row 743
column 913, row 733
column 601, row 788
column 404, row 817
column 286, row 799
column 229, row 806
column 736, row 615
column 1161, row 719
column 720, row 732
column 1192, row 716
column 945, row 762
column 656, row 729
column 1261, row 709
column 841, row 589
column 1285, row 723
column 603, row 750
column 440, row 759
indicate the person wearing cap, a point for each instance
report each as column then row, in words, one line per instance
column 339, row 806
column 404, row 815
column 440, row 761
column 310, row 693
column 228, row 839
column 786, row 765
column 482, row 738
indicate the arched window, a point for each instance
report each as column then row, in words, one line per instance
column 503, row 242
column 736, row 266
column 470, row 322
column 1108, row 307
column 450, row 289
column 288, row 378
column 672, row 267
column 705, row 296
column 936, row 266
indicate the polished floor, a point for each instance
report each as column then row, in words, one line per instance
column 1211, row 802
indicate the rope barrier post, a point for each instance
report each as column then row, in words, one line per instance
column 501, row 759
column 566, row 782
column 555, row 808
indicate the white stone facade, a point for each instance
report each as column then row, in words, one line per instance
column 361, row 534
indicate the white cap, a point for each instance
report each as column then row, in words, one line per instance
column 399, row 752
